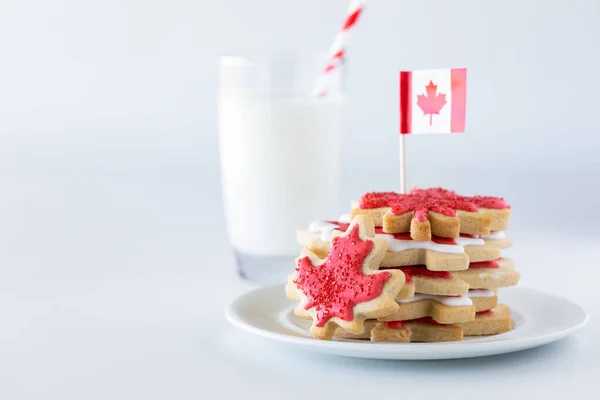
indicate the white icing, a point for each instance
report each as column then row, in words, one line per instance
column 395, row 245
column 481, row 293
column 459, row 301
column 495, row 235
column 345, row 218
column 469, row 241
column 323, row 227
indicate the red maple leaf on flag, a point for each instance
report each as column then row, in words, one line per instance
column 431, row 103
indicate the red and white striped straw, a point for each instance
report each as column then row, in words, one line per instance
column 338, row 47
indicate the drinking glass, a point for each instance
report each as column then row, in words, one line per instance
column 280, row 149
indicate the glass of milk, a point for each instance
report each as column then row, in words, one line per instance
column 280, row 148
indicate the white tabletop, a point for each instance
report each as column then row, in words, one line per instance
column 114, row 285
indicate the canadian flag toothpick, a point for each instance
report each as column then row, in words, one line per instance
column 433, row 100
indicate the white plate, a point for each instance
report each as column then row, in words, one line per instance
column 539, row 318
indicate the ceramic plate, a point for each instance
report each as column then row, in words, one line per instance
column 538, row 318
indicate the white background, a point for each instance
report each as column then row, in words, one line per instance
column 113, row 257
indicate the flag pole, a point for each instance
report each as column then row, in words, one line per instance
column 402, row 165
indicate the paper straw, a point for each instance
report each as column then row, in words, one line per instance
column 339, row 45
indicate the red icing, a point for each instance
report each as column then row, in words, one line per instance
column 484, row 264
column 338, row 284
column 379, row 230
column 395, row 324
column 421, row 214
column 442, row 240
column 486, row 312
column 421, row 201
column 422, row 271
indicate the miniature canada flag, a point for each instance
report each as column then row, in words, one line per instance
column 433, row 100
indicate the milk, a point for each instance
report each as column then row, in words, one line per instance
column 280, row 166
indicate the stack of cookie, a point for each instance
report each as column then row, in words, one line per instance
column 448, row 248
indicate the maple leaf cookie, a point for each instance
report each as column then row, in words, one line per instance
column 490, row 318
column 437, row 254
column 440, row 212
column 489, row 322
column 416, row 330
column 490, row 274
column 485, row 275
column 419, row 279
column 444, row 309
column 345, row 288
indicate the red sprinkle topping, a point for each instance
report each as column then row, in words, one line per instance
column 395, row 324
column 497, row 203
column 421, row 201
column 484, row 264
column 486, row 312
column 422, row 205
column 339, row 284
column 379, row 199
column 479, row 201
